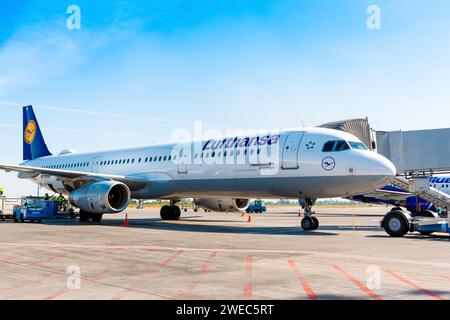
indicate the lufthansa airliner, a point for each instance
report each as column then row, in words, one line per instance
column 219, row 174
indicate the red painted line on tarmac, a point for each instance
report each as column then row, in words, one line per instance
column 100, row 274
column 357, row 283
column 10, row 258
column 308, row 290
column 169, row 260
column 248, row 291
column 161, row 266
column 412, row 284
column 191, row 286
column 94, row 277
column 248, row 288
column 54, row 257
column 56, row 295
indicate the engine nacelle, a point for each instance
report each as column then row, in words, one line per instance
column 101, row 197
column 229, row 205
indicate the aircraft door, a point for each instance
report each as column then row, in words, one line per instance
column 290, row 150
column 182, row 161
column 95, row 165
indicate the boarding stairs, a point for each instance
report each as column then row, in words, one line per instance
column 420, row 186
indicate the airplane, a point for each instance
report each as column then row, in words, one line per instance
column 220, row 174
column 397, row 197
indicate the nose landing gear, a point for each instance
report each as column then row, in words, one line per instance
column 309, row 222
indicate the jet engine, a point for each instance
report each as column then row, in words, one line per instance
column 223, row 204
column 101, row 197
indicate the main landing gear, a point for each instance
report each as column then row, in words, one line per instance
column 85, row 216
column 171, row 212
column 309, row 222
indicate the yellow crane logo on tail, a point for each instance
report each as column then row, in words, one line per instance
column 30, row 132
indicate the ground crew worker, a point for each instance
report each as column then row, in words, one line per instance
column 60, row 201
column 1, row 191
column 46, row 197
column 60, row 198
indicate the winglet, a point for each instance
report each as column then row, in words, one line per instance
column 33, row 142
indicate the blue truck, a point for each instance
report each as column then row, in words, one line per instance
column 36, row 209
column 257, row 206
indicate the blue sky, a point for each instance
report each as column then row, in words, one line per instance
column 138, row 70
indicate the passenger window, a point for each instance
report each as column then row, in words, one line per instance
column 159, row 159
column 170, row 157
column 165, row 158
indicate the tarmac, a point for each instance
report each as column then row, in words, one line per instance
column 222, row 256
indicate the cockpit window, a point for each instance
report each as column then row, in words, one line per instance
column 339, row 145
column 357, row 145
column 328, row 146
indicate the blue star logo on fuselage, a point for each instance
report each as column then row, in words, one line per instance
column 310, row 145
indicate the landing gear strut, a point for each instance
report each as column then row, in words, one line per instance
column 171, row 212
column 309, row 222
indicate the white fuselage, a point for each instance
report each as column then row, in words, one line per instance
column 289, row 164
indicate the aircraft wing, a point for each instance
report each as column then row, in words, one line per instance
column 134, row 183
column 388, row 195
column 385, row 195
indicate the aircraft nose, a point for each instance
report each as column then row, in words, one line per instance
column 381, row 166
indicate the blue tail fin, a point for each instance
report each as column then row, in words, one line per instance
column 33, row 142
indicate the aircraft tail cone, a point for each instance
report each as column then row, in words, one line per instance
column 125, row 222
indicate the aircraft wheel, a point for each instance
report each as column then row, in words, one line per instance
column 395, row 224
column 175, row 212
column 84, row 216
column 316, row 223
column 96, row 217
column 165, row 212
column 307, row 224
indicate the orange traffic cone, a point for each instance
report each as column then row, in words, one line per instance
column 125, row 223
column 243, row 213
column 299, row 213
column 249, row 218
